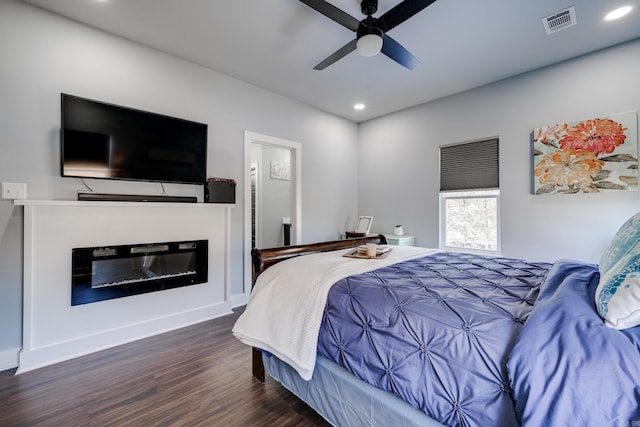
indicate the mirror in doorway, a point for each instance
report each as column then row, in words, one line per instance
column 271, row 195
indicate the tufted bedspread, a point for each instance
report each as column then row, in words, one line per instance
column 466, row 339
column 436, row 331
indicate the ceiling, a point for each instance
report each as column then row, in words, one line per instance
column 274, row 44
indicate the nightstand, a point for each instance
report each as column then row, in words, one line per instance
column 392, row 239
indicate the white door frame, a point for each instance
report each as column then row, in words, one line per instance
column 296, row 219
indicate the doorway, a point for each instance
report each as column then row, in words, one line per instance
column 271, row 195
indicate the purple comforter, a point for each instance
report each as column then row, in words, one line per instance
column 567, row 368
column 436, row 331
column 445, row 333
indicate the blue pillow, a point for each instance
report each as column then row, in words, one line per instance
column 618, row 293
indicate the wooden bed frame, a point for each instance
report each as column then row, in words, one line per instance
column 264, row 258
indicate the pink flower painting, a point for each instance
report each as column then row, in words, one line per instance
column 589, row 156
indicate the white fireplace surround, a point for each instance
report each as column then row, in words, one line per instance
column 54, row 331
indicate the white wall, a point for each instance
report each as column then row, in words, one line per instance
column 399, row 165
column 43, row 55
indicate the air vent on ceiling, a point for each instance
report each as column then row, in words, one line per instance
column 560, row 20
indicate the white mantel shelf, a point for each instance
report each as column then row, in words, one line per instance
column 120, row 204
column 54, row 330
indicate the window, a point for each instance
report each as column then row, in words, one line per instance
column 470, row 220
column 469, row 196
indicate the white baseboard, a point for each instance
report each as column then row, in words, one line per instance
column 80, row 346
column 9, row 358
column 239, row 300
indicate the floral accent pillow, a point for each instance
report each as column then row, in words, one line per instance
column 618, row 293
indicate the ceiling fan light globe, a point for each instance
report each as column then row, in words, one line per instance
column 369, row 45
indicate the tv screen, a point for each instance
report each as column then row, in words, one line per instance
column 107, row 141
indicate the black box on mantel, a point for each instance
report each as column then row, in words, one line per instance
column 220, row 190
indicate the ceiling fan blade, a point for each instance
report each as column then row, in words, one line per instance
column 395, row 51
column 332, row 12
column 400, row 13
column 338, row 54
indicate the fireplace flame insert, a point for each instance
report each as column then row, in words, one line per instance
column 107, row 272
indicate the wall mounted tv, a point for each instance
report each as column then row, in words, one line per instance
column 107, row 141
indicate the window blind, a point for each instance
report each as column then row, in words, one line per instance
column 470, row 166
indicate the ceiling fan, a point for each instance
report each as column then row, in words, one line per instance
column 371, row 37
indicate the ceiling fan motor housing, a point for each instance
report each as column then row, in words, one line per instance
column 369, row 7
column 367, row 27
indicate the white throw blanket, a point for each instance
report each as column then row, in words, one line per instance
column 285, row 310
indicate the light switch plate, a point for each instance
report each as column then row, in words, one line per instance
column 13, row 191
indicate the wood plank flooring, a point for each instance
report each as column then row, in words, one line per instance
column 195, row 376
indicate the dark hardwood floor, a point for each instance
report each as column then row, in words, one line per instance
column 195, row 376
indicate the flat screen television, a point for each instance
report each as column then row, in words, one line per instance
column 101, row 140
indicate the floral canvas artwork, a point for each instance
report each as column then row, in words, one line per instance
column 588, row 156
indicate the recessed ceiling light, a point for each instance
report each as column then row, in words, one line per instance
column 359, row 106
column 618, row 13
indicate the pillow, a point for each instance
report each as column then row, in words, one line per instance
column 618, row 292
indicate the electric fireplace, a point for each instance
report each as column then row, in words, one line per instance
column 107, row 272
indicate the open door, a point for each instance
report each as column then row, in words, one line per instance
column 271, row 194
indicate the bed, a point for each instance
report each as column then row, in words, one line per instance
column 421, row 337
